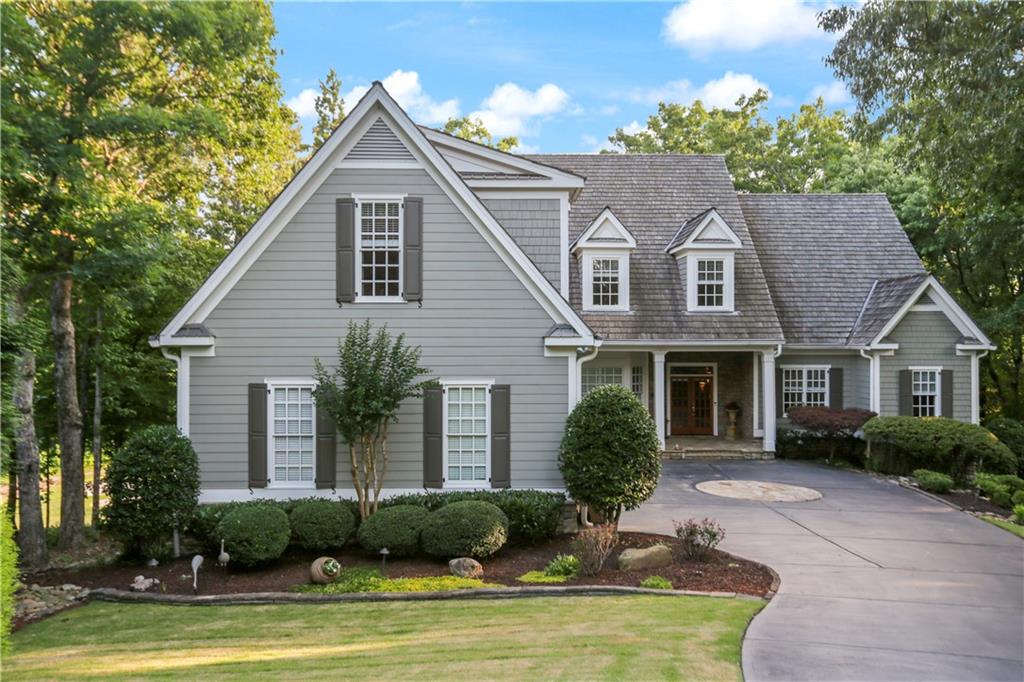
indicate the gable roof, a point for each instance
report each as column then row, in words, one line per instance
column 366, row 114
column 652, row 195
column 884, row 299
column 822, row 254
column 691, row 233
column 594, row 235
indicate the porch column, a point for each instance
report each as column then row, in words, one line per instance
column 659, row 395
column 768, row 382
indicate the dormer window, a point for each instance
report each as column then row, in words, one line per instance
column 709, row 246
column 603, row 251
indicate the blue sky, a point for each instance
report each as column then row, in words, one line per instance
column 561, row 77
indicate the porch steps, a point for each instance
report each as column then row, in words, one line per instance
column 716, row 454
column 705, row 447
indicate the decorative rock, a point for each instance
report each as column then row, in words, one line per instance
column 324, row 570
column 634, row 559
column 464, row 567
column 142, row 583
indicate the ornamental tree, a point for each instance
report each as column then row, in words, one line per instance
column 375, row 373
column 610, row 456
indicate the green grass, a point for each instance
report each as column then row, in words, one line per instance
column 1006, row 525
column 542, row 578
column 612, row 638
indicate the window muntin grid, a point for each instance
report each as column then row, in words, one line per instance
column 710, row 283
column 467, row 433
column 806, row 386
column 636, row 381
column 605, row 278
column 924, row 390
column 599, row 376
column 292, row 438
column 380, row 246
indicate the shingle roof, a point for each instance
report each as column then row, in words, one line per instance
column 652, row 195
column 822, row 254
column 885, row 298
column 687, row 229
column 193, row 329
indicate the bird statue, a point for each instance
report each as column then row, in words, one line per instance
column 197, row 561
column 223, row 557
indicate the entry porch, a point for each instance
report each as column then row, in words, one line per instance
column 703, row 401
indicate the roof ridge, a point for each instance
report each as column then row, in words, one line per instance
column 863, row 307
column 811, row 194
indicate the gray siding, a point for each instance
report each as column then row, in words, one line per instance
column 926, row 338
column 534, row 224
column 378, row 143
column 476, row 322
column 856, row 373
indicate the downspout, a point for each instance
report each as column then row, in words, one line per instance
column 176, row 359
column 872, row 359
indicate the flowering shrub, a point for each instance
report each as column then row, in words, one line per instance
column 698, row 538
column 593, row 545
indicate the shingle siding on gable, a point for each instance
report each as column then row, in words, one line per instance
column 477, row 322
column 535, row 225
column 379, row 143
column 927, row 339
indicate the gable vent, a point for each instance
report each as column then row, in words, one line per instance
column 380, row 143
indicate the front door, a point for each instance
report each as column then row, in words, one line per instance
column 692, row 405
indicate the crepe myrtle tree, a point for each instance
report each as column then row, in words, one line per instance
column 610, row 456
column 375, row 373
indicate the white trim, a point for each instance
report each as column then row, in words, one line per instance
column 976, row 386
column 714, row 388
column 486, row 384
column 728, row 259
column 756, row 382
column 287, row 382
column 693, row 241
column 183, row 381
column 947, row 305
column 938, row 386
column 803, row 382
column 660, row 397
column 563, row 246
column 219, row 495
column 358, row 200
column 626, row 240
column 768, row 382
column 588, row 281
column 311, row 176
column 684, row 344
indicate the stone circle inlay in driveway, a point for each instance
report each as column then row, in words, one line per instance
column 759, row 491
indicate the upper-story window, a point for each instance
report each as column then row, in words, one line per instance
column 603, row 250
column 924, row 384
column 710, row 286
column 710, row 282
column 380, row 249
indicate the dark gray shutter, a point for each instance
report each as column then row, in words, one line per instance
column 326, row 450
column 433, row 437
column 345, row 250
column 501, row 432
column 947, row 393
column 778, row 392
column 412, row 250
column 258, row 436
column 906, row 404
column 835, row 388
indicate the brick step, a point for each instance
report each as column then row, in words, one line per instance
column 715, row 454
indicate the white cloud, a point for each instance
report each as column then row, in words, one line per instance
column 405, row 88
column 708, row 25
column 834, row 94
column 633, row 128
column 720, row 92
column 509, row 108
column 303, row 103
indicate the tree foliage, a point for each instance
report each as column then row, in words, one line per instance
column 330, row 108
column 374, row 374
column 945, row 81
column 474, row 130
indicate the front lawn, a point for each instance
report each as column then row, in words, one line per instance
column 1014, row 528
column 634, row 637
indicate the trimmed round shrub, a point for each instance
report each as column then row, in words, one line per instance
column 397, row 528
column 471, row 528
column 8, row 579
column 1010, row 432
column 321, row 524
column 153, row 484
column 610, row 456
column 254, row 534
column 933, row 481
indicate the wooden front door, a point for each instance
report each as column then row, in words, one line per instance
column 692, row 405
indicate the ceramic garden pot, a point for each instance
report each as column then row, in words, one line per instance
column 324, row 570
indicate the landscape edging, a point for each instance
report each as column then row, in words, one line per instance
column 124, row 596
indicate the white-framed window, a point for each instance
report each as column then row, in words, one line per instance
column 592, row 377
column 805, row 385
column 467, row 433
column 636, row 382
column 925, row 389
column 292, row 441
column 710, row 282
column 606, row 281
column 379, row 271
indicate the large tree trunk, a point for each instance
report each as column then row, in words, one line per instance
column 31, row 534
column 69, row 416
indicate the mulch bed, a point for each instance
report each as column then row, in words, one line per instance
column 970, row 502
column 721, row 573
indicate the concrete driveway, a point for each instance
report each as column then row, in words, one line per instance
column 878, row 582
